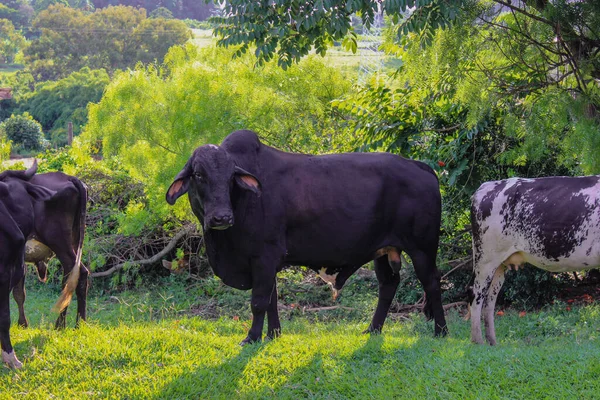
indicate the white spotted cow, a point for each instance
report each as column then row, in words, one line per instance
column 552, row 223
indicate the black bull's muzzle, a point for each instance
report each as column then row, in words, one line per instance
column 220, row 221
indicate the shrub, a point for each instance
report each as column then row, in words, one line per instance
column 161, row 12
column 4, row 149
column 24, row 132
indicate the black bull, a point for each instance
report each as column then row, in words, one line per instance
column 17, row 199
column 262, row 209
column 59, row 229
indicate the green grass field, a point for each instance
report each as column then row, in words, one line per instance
column 147, row 344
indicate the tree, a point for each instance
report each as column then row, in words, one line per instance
column 156, row 35
column 55, row 103
column 111, row 38
column 529, row 55
column 161, row 12
column 11, row 42
column 181, row 9
column 19, row 12
column 59, row 50
column 290, row 28
column 40, row 5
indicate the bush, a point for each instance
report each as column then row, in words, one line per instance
column 24, row 132
column 4, row 149
column 161, row 12
column 195, row 24
column 532, row 287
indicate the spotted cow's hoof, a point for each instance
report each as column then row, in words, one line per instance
column 11, row 360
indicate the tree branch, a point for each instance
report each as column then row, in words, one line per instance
column 441, row 130
column 188, row 229
column 526, row 13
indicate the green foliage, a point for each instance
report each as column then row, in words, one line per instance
column 468, row 108
column 55, row 103
column 11, row 42
column 23, row 131
column 4, row 149
column 195, row 24
column 161, row 12
column 40, row 5
column 21, row 83
column 289, row 30
column 152, row 118
column 19, row 12
column 180, row 9
column 155, row 36
column 56, row 160
column 531, row 288
column 126, row 36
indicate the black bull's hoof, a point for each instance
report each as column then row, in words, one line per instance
column 441, row 332
column 372, row 331
column 249, row 340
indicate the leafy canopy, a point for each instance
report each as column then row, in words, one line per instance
column 289, row 29
column 11, row 42
column 54, row 103
column 111, row 38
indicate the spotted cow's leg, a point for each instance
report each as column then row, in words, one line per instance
column 484, row 272
column 388, row 284
column 490, row 303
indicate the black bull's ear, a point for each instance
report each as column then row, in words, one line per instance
column 247, row 181
column 39, row 193
column 180, row 185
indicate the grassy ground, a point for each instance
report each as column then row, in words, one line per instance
column 147, row 344
column 10, row 68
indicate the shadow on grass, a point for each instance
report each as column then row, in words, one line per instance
column 332, row 376
column 214, row 381
column 27, row 349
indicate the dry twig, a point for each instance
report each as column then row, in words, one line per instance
column 155, row 258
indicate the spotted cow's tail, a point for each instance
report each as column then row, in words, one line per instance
column 79, row 222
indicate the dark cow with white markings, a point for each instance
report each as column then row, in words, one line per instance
column 17, row 201
column 552, row 223
column 262, row 209
column 59, row 230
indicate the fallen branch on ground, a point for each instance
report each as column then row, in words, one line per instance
column 155, row 258
column 327, row 308
column 453, row 305
column 403, row 316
